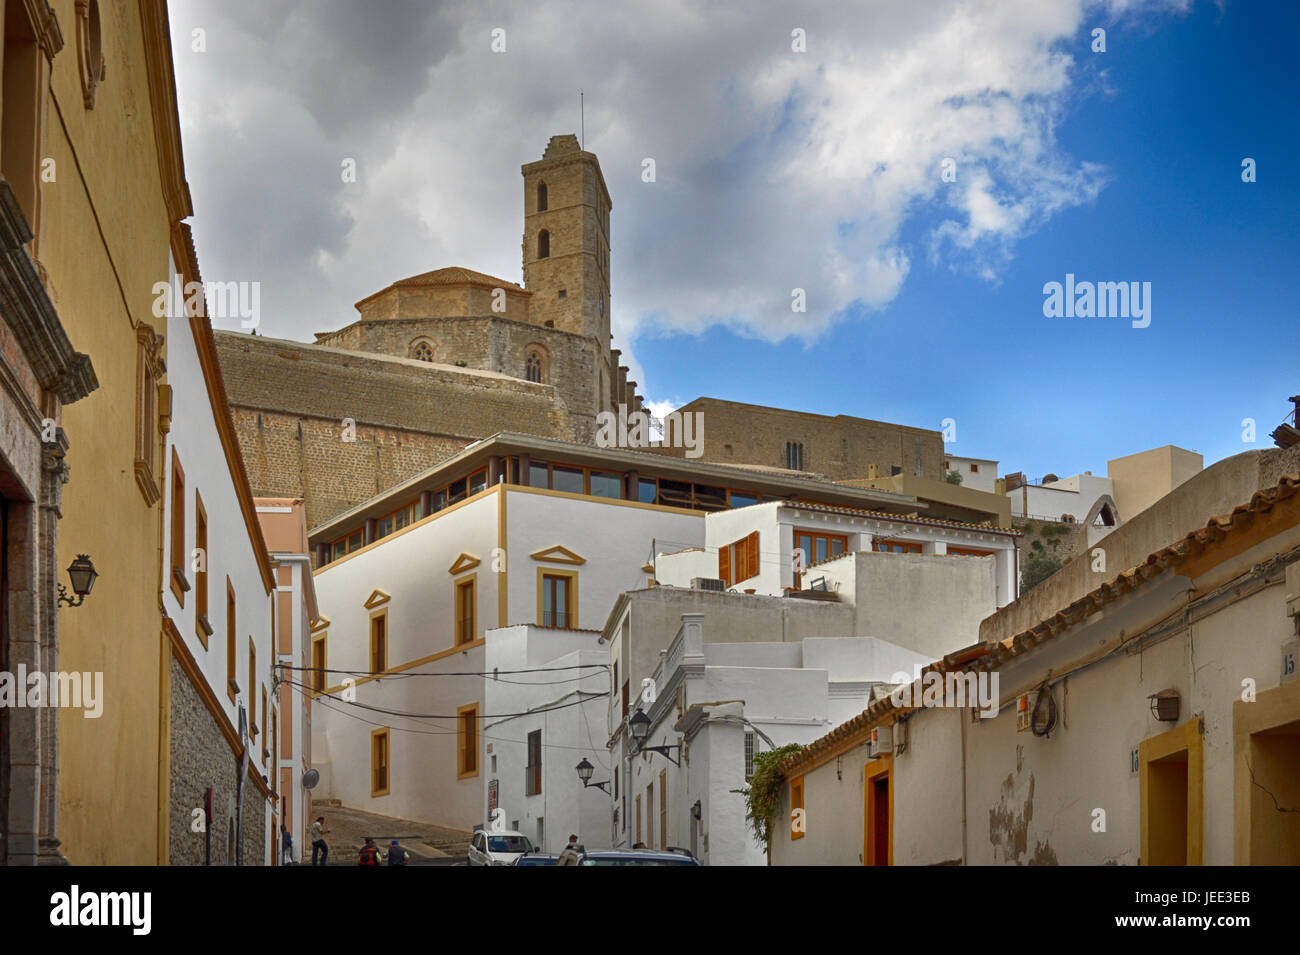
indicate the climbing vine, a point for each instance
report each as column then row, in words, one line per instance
column 763, row 794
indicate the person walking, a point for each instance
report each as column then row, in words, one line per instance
column 569, row 854
column 286, row 845
column 318, row 844
column 369, row 853
column 396, row 854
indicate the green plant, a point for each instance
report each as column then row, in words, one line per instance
column 763, row 794
column 953, row 477
column 1038, row 567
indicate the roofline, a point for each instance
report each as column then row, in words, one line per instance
column 627, row 459
column 1212, row 536
column 816, row 414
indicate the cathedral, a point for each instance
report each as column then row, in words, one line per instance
column 439, row 360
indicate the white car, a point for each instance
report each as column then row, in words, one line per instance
column 497, row 848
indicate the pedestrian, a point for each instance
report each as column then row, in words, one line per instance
column 318, row 845
column 369, row 853
column 569, row 855
column 396, row 854
column 286, row 845
column 639, row 845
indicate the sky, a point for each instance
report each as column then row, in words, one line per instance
column 920, row 171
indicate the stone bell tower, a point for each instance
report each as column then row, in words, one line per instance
column 566, row 241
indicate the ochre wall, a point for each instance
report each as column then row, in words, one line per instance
column 104, row 243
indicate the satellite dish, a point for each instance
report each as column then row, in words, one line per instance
column 310, row 779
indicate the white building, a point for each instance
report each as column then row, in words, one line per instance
column 1161, row 726
column 979, row 474
column 712, row 707
column 219, row 615
column 512, row 531
column 556, row 681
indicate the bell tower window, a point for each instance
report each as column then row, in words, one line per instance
column 541, row 197
column 543, row 244
column 422, row 351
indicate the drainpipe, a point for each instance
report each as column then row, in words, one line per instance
column 239, row 798
column 961, row 716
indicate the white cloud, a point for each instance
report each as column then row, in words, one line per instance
column 776, row 170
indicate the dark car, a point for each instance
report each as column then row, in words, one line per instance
column 670, row 856
column 537, row 858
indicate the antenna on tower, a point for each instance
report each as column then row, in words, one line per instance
column 582, row 113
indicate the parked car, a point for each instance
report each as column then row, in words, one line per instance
column 537, row 858
column 669, row 856
column 497, row 848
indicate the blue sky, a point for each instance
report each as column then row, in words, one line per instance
column 1181, row 102
column 817, row 169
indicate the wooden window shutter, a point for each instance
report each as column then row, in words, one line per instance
column 751, row 553
column 724, row 564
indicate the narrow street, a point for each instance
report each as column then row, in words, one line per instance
column 349, row 828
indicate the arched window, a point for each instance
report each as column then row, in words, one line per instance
column 535, row 364
column 541, row 197
column 543, row 244
column 422, row 350
column 794, row 455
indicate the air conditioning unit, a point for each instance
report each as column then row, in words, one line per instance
column 1024, row 713
column 882, row 742
column 708, row 583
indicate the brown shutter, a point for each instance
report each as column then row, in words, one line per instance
column 724, row 564
column 751, row 549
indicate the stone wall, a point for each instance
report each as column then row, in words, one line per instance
column 840, row 447
column 201, row 757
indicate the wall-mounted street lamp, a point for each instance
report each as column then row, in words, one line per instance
column 1164, row 705
column 585, row 769
column 83, row 576
column 639, row 724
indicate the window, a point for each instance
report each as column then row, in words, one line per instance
column 794, row 456
column 974, row 469
column 533, row 771
column 557, row 599
column 346, row 544
column 663, row 809
column 796, row 808
column 816, row 547
column 422, row 351
column 379, row 762
column 22, row 106
column 178, row 582
column 202, row 626
column 647, row 490
column 638, row 818
column 896, row 547
column 749, row 755
column 319, row 662
column 616, row 786
column 149, row 368
column 232, row 685
column 379, row 641
column 606, row 484
column 533, row 367
column 741, row 498
column 650, row 814
column 543, row 244
column 266, row 740
column 466, row 626
column 467, row 741
column 541, row 197
column 738, row 561
column 569, row 480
